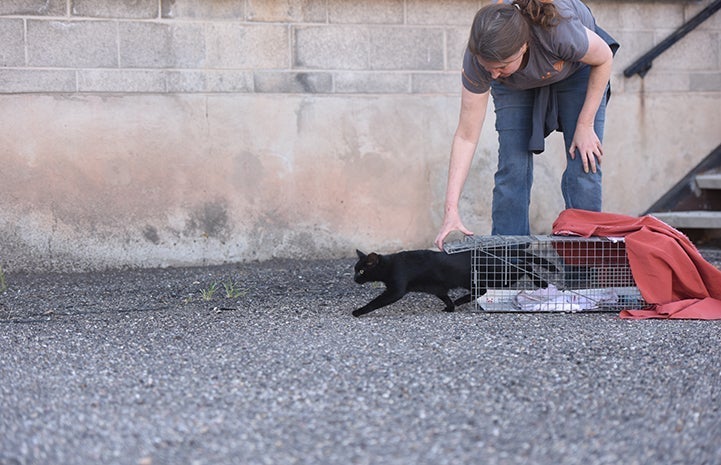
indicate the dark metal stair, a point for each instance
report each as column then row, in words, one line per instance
column 694, row 204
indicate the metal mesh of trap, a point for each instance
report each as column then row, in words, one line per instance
column 550, row 274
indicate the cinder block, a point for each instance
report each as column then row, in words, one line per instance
column 203, row 9
column 366, row 12
column 643, row 16
column 606, row 15
column 436, row 83
column 445, row 12
column 72, row 44
column 293, row 11
column 406, row 48
column 103, row 80
column 186, row 81
column 371, row 83
column 331, row 47
column 249, row 46
column 657, row 81
column 33, row 7
column 296, row 83
column 161, row 45
column 33, row 80
column 699, row 50
column 209, row 81
column 12, row 52
column 633, row 46
column 139, row 9
column 618, row 82
column 693, row 8
column 456, row 43
column 706, row 82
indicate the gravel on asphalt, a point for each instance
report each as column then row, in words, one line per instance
column 262, row 363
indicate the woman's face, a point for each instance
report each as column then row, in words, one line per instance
column 503, row 69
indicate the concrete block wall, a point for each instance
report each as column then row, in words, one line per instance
column 184, row 132
column 198, row 46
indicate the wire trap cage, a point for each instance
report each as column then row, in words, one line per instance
column 549, row 274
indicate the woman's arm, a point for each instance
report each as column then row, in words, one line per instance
column 463, row 147
column 585, row 140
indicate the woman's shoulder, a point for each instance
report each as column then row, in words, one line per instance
column 568, row 39
column 474, row 77
column 574, row 10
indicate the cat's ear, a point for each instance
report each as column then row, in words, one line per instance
column 372, row 259
column 361, row 255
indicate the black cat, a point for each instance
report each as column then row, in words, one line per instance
column 425, row 271
column 437, row 273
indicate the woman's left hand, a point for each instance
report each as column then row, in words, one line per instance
column 586, row 143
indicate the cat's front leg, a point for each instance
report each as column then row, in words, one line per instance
column 462, row 300
column 450, row 306
column 386, row 298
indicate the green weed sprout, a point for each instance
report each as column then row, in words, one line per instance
column 231, row 290
column 3, row 283
column 209, row 292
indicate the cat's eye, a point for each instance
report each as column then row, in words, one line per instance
column 361, row 271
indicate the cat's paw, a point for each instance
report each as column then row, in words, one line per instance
column 360, row 311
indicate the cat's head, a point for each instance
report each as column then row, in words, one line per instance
column 365, row 267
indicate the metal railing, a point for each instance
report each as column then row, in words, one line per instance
column 643, row 64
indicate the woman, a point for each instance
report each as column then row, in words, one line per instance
column 547, row 65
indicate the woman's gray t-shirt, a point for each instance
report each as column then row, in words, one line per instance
column 553, row 54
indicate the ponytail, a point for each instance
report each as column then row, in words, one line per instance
column 542, row 12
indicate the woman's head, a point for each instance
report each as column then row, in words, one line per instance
column 498, row 33
column 500, row 30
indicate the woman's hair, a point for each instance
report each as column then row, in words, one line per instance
column 499, row 30
column 541, row 12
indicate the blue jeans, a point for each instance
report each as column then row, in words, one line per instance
column 514, row 176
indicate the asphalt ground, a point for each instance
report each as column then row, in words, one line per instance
column 147, row 367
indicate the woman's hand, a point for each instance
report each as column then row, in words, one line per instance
column 451, row 222
column 589, row 147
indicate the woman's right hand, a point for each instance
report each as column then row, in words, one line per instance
column 451, row 222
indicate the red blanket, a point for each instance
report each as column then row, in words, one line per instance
column 668, row 269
